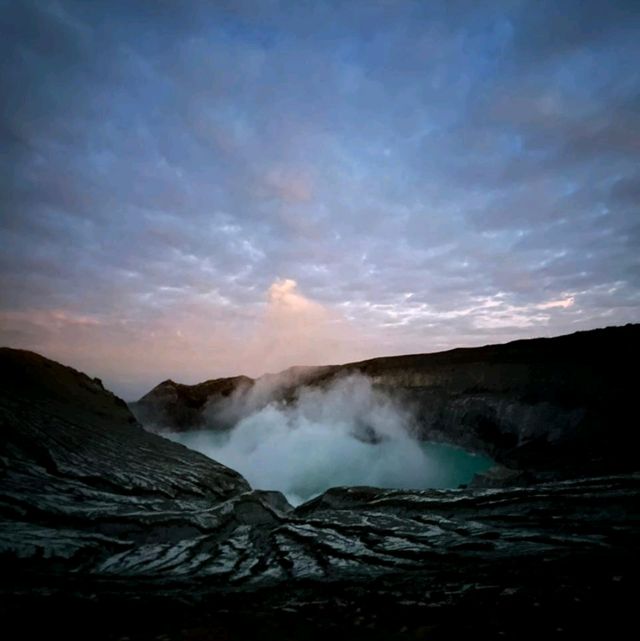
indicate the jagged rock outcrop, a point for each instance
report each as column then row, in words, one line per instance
column 107, row 531
column 220, row 403
column 179, row 407
column 77, row 470
column 544, row 408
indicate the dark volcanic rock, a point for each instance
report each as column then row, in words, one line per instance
column 179, row 407
column 556, row 407
column 107, row 531
column 220, row 403
column 77, row 472
column 549, row 407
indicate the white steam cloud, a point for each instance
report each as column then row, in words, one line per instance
column 346, row 434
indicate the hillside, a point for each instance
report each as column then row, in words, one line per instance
column 548, row 407
column 109, row 532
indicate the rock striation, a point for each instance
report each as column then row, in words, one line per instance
column 111, row 532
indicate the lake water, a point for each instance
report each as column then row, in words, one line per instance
column 305, row 462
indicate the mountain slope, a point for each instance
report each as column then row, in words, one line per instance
column 550, row 407
column 109, row 532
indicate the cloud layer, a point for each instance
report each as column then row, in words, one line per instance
column 429, row 174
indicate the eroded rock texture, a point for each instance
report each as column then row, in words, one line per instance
column 107, row 531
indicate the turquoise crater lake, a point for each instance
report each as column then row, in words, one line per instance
column 304, row 462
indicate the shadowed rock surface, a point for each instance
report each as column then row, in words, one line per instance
column 182, row 407
column 219, row 403
column 544, row 408
column 60, row 424
column 107, row 531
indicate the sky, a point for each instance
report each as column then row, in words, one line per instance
column 199, row 189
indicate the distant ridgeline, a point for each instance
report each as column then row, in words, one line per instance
column 543, row 408
column 113, row 532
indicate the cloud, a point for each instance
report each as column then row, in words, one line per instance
column 298, row 330
column 563, row 304
column 191, row 338
column 289, row 186
column 165, row 164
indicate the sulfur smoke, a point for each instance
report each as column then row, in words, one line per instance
column 346, row 434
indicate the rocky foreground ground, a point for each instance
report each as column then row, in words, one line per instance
column 110, row 532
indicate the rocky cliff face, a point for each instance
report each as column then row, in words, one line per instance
column 179, row 407
column 219, row 403
column 107, row 531
column 77, row 471
column 547, row 408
